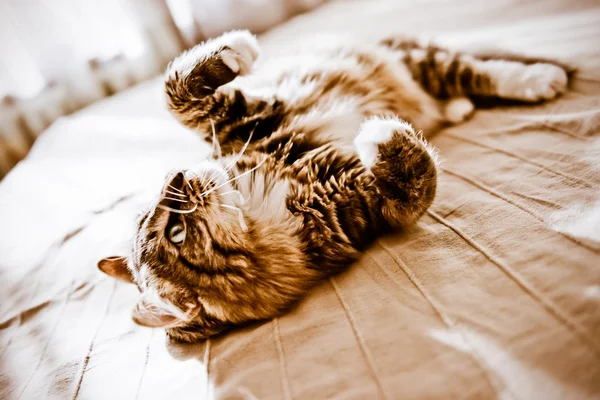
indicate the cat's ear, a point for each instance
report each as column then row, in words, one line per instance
column 153, row 312
column 116, row 267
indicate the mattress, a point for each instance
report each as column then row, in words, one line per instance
column 495, row 293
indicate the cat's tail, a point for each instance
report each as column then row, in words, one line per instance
column 404, row 166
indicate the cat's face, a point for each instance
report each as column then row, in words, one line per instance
column 191, row 247
column 198, row 257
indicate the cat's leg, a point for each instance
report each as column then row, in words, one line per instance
column 451, row 75
column 404, row 167
column 194, row 81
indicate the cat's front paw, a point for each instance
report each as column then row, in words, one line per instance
column 540, row 81
column 376, row 131
column 210, row 65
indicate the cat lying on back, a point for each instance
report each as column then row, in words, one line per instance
column 315, row 155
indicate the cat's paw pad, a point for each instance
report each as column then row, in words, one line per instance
column 376, row 131
column 542, row 82
column 240, row 51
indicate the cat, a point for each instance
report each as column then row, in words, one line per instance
column 315, row 155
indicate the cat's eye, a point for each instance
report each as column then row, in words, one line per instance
column 176, row 233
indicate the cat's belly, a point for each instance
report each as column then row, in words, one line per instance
column 338, row 91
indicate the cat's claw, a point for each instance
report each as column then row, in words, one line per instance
column 241, row 51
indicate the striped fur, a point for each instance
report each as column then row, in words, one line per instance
column 332, row 161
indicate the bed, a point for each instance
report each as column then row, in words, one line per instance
column 495, row 293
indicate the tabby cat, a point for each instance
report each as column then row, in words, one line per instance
column 315, row 155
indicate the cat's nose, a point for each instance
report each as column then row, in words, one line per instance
column 177, row 182
column 174, row 194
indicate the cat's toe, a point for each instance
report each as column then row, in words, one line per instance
column 376, row 131
column 544, row 82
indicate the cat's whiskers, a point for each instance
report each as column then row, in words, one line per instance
column 175, row 194
column 137, row 252
column 178, row 211
column 230, row 165
column 235, row 178
column 174, row 188
column 239, row 212
column 211, row 189
column 216, row 145
column 236, row 192
column 208, row 178
column 213, row 175
column 174, row 199
column 185, row 179
column 241, row 153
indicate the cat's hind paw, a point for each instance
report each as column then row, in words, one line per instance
column 533, row 83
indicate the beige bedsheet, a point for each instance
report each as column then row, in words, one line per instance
column 494, row 294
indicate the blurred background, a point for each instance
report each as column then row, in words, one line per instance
column 58, row 56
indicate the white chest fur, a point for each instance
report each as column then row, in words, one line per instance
column 265, row 200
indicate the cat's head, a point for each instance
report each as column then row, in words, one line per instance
column 200, row 262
